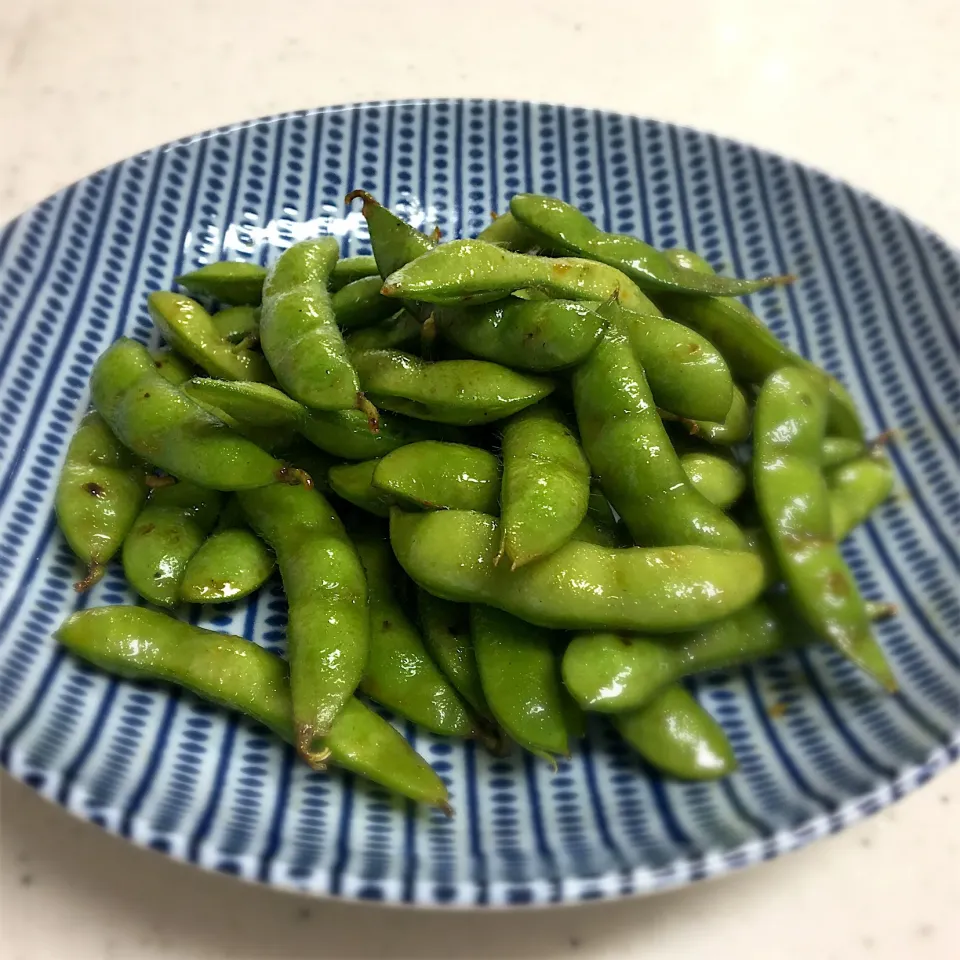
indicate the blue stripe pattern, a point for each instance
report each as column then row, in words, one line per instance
column 877, row 304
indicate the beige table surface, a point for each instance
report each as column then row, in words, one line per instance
column 866, row 89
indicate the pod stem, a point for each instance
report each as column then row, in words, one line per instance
column 294, row 477
column 373, row 415
column 306, row 738
column 94, row 572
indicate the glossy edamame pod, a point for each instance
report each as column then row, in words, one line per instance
column 445, row 627
column 715, row 474
column 433, row 475
column 172, row 367
column 360, row 304
column 399, row 673
column 791, row 493
column 474, row 269
column 190, row 330
column 855, row 490
column 453, row 553
column 99, row 493
column 686, row 373
column 161, row 424
column 537, row 335
column 346, row 434
column 349, row 269
column 631, row 454
column 298, row 330
column 507, row 232
column 837, row 451
column 168, row 531
column 234, row 282
column 231, row 563
column 564, row 228
column 546, row 485
column 236, row 324
column 610, row 672
column 328, row 631
column 520, row 677
column 232, row 672
column 354, row 483
column 461, row 392
column 394, row 241
column 402, row 331
column 675, row 734
column 734, row 428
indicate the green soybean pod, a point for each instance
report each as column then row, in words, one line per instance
column 350, row 269
column 631, row 454
column 158, row 422
column 546, row 484
column 402, row 331
column 236, row 324
column 433, row 475
column 715, row 474
column 353, row 482
column 172, row 367
column 793, row 499
column 507, row 232
column 234, row 282
column 138, row 643
column 298, row 330
column 686, row 373
column 99, row 493
column 231, row 563
column 360, row 304
column 453, row 555
column 734, row 428
column 446, row 635
column 837, row 451
column 675, row 734
column 856, row 489
column 610, row 672
column 459, row 392
column 521, row 680
column 463, row 269
column 167, row 533
column 399, row 673
column 190, row 330
column 536, row 335
column 394, row 241
column 328, row 630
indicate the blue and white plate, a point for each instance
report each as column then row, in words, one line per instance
column 877, row 304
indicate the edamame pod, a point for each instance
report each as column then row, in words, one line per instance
column 565, row 228
column 521, row 680
column 402, row 331
column 231, row 563
column 172, row 367
column 474, row 269
column 610, row 672
column 792, row 496
column 232, row 672
column 167, row 533
column 348, row 269
column 346, row 434
column 237, row 324
column 190, row 330
column 461, row 392
column 837, row 451
column 354, row 483
column 446, row 634
column 715, row 474
column 298, row 330
column 159, row 423
column 328, row 630
column 676, row 735
column 537, row 335
column 432, row 475
column 234, row 282
column 632, row 456
column 686, row 373
column 546, row 485
column 360, row 304
column 734, row 428
column 453, row 553
column 855, row 490
column 399, row 673
column 394, row 241
column 507, row 232
column 100, row 491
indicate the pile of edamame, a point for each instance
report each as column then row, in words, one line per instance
column 505, row 480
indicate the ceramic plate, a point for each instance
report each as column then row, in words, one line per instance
column 876, row 304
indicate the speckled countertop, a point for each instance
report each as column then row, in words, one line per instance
column 866, row 90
